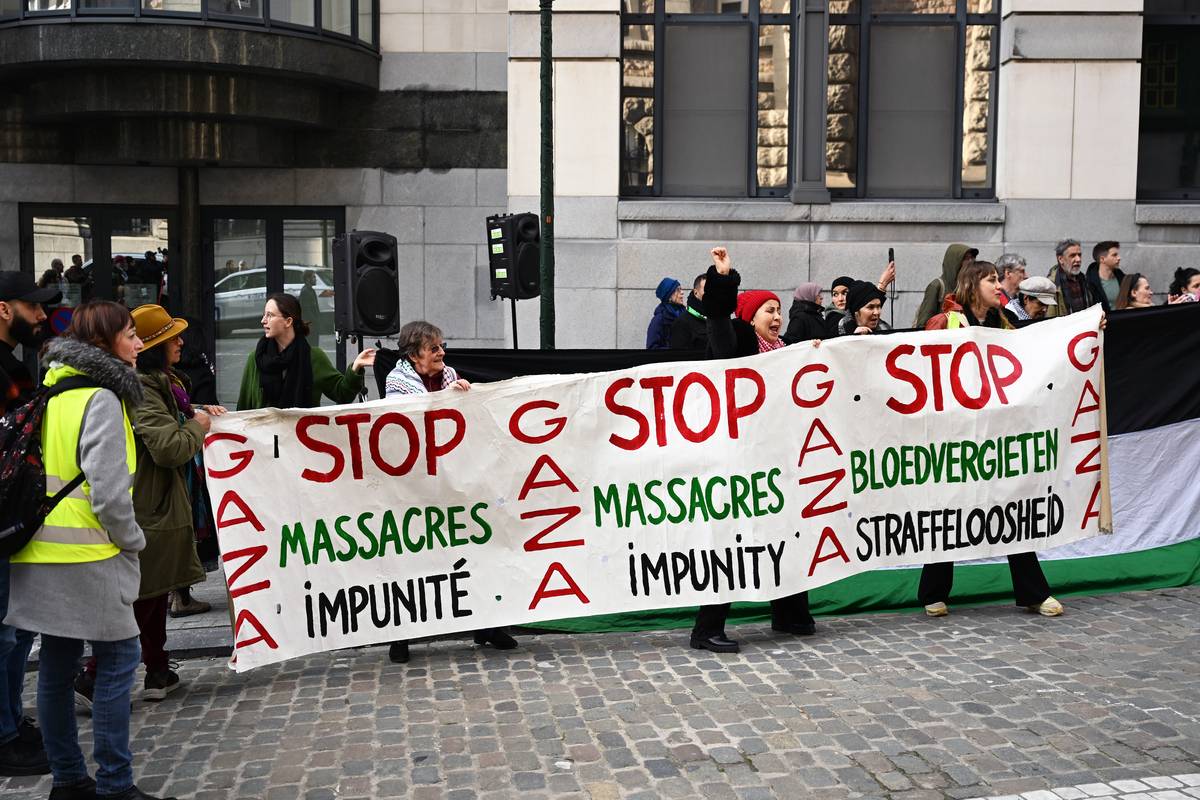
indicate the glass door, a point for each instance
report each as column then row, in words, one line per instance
column 98, row 252
column 308, row 274
column 63, row 256
column 253, row 252
column 239, row 262
column 140, row 259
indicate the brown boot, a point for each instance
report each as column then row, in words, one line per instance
column 183, row 605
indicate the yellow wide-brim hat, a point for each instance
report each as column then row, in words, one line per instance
column 155, row 326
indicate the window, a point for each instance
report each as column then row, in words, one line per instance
column 1169, row 137
column 911, row 99
column 705, row 97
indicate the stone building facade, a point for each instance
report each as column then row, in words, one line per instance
column 433, row 126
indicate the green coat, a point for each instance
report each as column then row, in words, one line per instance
column 337, row 386
column 165, row 448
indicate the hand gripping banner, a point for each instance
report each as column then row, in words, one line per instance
column 667, row 485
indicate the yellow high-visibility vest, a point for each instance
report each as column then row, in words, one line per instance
column 72, row 533
column 956, row 319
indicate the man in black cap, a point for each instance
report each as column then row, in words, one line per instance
column 22, row 321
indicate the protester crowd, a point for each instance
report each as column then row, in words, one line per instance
column 126, row 408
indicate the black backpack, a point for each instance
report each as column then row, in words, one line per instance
column 23, row 501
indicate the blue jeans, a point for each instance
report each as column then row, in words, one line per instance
column 15, row 645
column 116, row 664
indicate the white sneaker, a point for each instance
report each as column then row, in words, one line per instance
column 1048, row 608
column 937, row 610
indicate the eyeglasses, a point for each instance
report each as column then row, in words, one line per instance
column 436, row 348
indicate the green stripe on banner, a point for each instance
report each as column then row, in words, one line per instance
column 974, row 584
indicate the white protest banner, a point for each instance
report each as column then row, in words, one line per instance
column 667, row 485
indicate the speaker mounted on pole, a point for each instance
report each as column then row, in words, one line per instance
column 514, row 257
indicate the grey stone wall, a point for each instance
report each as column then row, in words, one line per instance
column 606, row 287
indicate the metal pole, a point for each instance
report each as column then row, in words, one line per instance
column 547, row 240
column 514, row 320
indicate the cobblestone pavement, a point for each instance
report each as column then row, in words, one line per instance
column 985, row 702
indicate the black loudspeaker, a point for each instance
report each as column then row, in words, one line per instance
column 366, row 282
column 514, row 262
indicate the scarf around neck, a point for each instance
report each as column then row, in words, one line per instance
column 286, row 377
column 765, row 347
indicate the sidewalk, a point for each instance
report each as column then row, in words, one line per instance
column 987, row 702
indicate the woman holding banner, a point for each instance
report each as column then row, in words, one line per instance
column 864, row 310
column 755, row 329
column 977, row 301
column 422, row 368
column 284, row 371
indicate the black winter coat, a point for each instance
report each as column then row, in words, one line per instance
column 805, row 322
column 727, row 337
column 833, row 319
column 690, row 332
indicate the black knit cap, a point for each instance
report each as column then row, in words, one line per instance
column 861, row 293
column 845, row 280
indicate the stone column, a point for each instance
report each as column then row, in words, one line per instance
column 810, row 78
column 587, row 80
column 1068, row 110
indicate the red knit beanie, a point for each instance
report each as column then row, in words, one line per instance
column 748, row 303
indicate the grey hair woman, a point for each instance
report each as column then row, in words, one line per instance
column 422, row 369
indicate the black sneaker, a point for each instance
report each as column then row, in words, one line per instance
column 84, row 790
column 18, row 757
column 85, row 687
column 158, row 685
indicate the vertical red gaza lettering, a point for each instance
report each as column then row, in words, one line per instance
column 232, row 498
column 241, row 458
column 555, row 424
column 811, row 510
column 735, row 411
column 245, row 617
column 433, row 450
column 714, row 407
column 829, row 441
column 1092, row 511
column 1085, row 464
column 826, row 387
column 838, row 552
column 956, row 385
column 571, row 588
column 252, row 555
column 1080, row 408
column 1072, row 346
column 565, row 515
column 532, row 483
